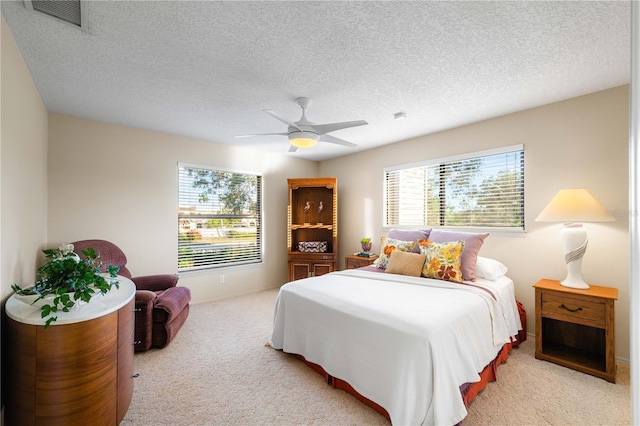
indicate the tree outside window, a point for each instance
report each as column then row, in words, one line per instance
column 219, row 222
column 477, row 190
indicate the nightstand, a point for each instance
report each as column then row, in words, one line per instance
column 575, row 328
column 354, row 261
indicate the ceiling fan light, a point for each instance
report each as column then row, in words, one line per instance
column 303, row 139
column 303, row 142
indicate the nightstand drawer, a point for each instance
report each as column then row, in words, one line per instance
column 580, row 309
column 354, row 261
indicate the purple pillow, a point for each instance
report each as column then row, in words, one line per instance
column 410, row 235
column 472, row 244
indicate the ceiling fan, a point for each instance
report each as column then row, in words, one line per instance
column 305, row 134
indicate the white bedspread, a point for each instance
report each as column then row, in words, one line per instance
column 405, row 343
column 504, row 291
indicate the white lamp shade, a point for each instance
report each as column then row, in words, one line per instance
column 574, row 205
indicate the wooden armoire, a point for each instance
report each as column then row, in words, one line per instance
column 312, row 227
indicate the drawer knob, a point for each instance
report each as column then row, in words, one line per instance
column 563, row 306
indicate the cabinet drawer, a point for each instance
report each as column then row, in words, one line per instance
column 352, row 264
column 579, row 309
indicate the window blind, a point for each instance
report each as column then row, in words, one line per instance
column 476, row 190
column 219, row 220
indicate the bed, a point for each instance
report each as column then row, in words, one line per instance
column 408, row 344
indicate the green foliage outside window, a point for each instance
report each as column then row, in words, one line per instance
column 219, row 218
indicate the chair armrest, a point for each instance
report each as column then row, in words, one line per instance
column 170, row 303
column 155, row 282
column 145, row 300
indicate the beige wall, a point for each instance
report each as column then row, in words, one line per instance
column 120, row 184
column 23, row 171
column 581, row 142
column 23, row 177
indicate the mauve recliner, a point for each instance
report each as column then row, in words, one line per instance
column 161, row 307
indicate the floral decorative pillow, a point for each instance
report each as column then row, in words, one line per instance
column 443, row 260
column 472, row 244
column 388, row 246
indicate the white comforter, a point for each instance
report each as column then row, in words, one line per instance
column 405, row 343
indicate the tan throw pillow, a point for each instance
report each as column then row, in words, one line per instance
column 405, row 263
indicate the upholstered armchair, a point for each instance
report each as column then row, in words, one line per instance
column 160, row 307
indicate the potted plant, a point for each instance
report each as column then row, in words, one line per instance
column 66, row 280
column 366, row 244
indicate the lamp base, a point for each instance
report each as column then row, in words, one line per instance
column 574, row 242
column 574, row 283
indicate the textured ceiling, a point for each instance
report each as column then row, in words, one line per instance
column 207, row 69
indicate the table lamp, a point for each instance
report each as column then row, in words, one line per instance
column 574, row 206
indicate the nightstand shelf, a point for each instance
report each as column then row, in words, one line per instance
column 591, row 360
column 575, row 328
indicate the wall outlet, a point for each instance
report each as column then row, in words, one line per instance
column 221, row 279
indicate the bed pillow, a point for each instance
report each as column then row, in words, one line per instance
column 490, row 269
column 472, row 245
column 388, row 246
column 404, row 263
column 410, row 235
column 442, row 260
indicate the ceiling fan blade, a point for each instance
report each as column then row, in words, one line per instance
column 281, row 118
column 337, row 141
column 293, row 148
column 262, row 134
column 332, row 127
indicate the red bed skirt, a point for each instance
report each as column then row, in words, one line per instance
column 468, row 390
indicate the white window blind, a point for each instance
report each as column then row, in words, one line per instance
column 219, row 221
column 477, row 190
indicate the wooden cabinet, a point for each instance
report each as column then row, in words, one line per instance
column 575, row 328
column 354, row 261
column 75, row 372
column 312, row 217
column 126, row 329
column 310, row 266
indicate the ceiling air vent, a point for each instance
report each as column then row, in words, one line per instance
column 71, row 11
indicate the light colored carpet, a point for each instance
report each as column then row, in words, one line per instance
column 217, row 371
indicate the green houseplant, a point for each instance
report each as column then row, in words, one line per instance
column 66, row 280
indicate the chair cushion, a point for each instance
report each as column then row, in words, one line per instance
column 110, row 254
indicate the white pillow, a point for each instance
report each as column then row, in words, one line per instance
column 489, row 269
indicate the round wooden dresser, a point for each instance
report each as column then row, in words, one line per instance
column 79, row 370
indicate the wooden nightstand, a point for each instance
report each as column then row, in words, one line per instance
column 353, row 261
column 575, row 328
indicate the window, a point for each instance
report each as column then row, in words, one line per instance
column 218, row 218
column 484, row 189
